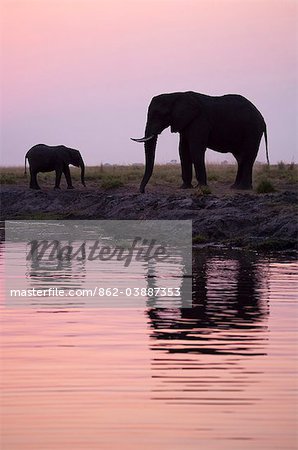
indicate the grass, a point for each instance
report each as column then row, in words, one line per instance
column 202, row 191
column 199, row 239
column 111, row 183
column 274, row 245
column 279, row 176
column 42, row 216
column 12, row 176
column 265, row 186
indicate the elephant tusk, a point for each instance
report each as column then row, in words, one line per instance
column 144, row 139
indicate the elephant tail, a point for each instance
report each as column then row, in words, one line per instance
column 266, row 143
column 25, row 171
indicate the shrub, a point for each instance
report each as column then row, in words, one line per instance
column 111, row 183
column 199, row 239
column 265, row 186
column 291, row 166
column 213, row 177
column 205, row 190
column 202, row 190
column 281, row 165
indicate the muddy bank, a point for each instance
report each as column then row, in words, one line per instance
column 266, row 221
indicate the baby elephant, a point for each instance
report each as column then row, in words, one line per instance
column 44, row 158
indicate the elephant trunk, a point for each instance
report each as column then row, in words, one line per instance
column 152, row 130
column 150, row 147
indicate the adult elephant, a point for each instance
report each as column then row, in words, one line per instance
column 229, row 123
column 45, row 158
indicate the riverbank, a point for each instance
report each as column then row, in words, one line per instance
column 235, row 219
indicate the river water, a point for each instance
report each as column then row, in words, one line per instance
column 219, row 375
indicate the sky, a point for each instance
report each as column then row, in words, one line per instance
column 82, row 72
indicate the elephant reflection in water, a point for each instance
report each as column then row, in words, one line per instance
column 235, row 303
column 181, row 273
column 201, row 351
column 61, row 273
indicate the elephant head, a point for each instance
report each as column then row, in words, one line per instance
column 177, row 110
column 74, row 158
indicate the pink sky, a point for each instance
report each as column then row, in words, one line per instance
column 82, row 72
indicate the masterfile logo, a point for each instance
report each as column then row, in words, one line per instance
column 60, row 264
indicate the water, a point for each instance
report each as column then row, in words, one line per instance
column 221, row 375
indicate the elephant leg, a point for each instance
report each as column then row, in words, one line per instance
column 58, row 177
column 186, row 163
column 198, row 156
column 197, row 136
column 239, row 175
column 33, row 179
column 66, row 172
column 245, row 160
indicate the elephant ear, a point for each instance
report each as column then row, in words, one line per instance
column 185, row 109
